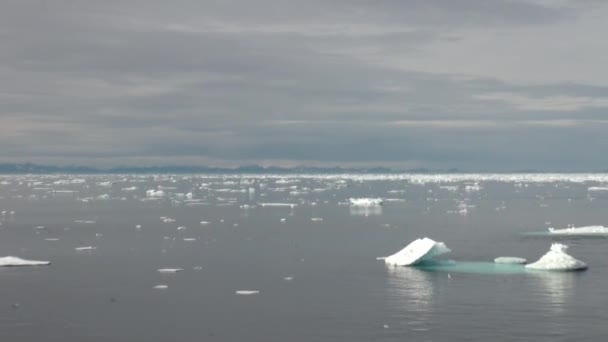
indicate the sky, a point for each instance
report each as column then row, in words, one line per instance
column 478, row 85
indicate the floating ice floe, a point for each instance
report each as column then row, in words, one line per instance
column 557, row 260
column 155, row 193
column 284, row 205
column 170, row 270
column 587, row 230
column 316, row 219
column 161, row 287
column 510, row 260
column 247, row 292
column 11, row 261
column 85, row 248
column 598, row 188
column 416, row 252
column 85, row 221
column 366, row 202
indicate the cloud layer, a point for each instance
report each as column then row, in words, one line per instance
column 478, row 85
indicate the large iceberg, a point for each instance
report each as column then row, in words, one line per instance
column 557, row 260
column 416, row 252
column 366, row 202
column 587, row 230
column 15, row 261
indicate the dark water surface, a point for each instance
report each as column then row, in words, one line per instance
column 339, row 291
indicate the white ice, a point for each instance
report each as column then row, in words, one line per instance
column 557, row 260
column 85, row 248
column 510, row 260
column 247, row 292
column 288, row 205
column 587, row 230
column 417, row 251
column 366, row 202
column 170, row 270
column 15, row 261
column 161, row 287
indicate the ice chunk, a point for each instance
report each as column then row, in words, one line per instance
column 510, row 260
column 155, row 193
column 85, row 248
column 170, row 270
column 247, row 292
column 85, row 221
column 287, row 205
column 11, row 261
column 557, row 260
column 597, row 188
column 366, row 202
column 587, row 230
column 417, row 251
column 161, row 287
column 316, row 219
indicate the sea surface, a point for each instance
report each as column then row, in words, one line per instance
column 310, row 254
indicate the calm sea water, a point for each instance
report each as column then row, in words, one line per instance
column 318, row 280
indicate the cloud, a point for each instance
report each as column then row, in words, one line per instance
column 417, row 83
column 549, row 103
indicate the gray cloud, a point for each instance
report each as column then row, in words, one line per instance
column 470, row 84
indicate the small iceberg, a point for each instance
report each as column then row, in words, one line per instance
column 510, row 260
column 85, row 248
column 557, row 260
column 587, row 230
column 11, row 261
column 170, row 270
column 416, row 252
column 247, row 292
column 366, row 202
column 161, row 287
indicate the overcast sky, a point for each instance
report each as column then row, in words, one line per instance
column 472, row 84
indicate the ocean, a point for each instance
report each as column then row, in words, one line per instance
column 305, row 258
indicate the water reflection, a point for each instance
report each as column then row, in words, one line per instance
column 366, row 211
column 555, row 288
column 410, row 295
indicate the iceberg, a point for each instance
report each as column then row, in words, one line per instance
column 365, row 202
column 247, row 292
column 170, row 270
column 416, row 252
column 587, row 230
column 557, row 260
column 11, row 261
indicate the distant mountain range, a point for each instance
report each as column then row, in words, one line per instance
column 29, row 168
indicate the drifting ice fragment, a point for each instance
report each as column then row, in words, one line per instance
column 510, row 260
column 161, row 287
column 287, row 205
column 417, row 251
column 557, row 260
column 366, row 202
column 170, row 270
column 85, row 248
column 11, row 261
column 247, row 292
column 587, row 230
